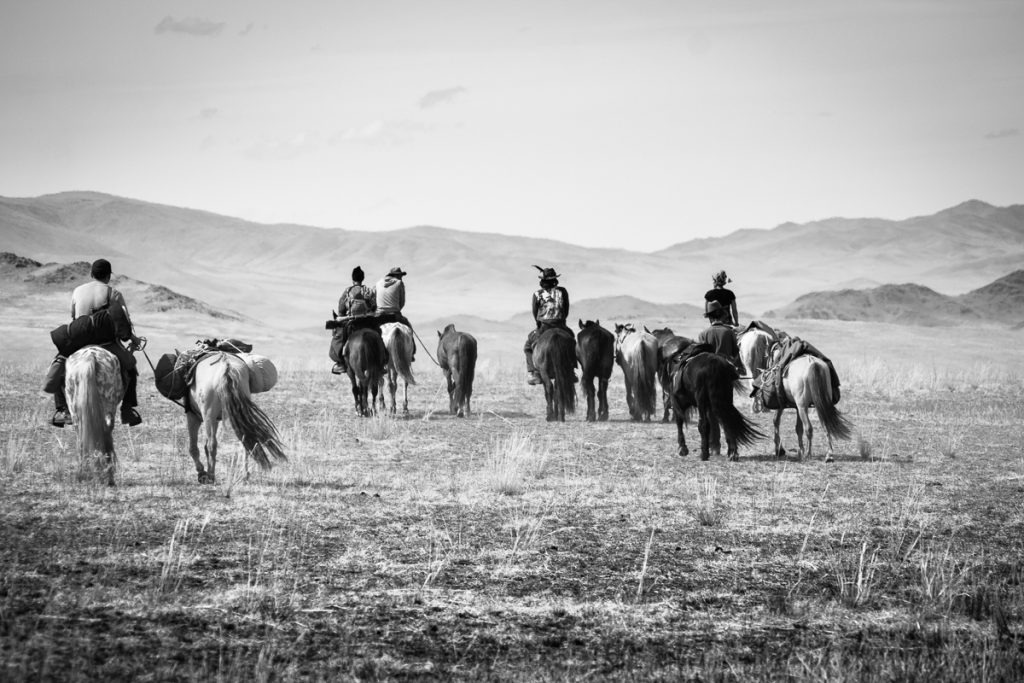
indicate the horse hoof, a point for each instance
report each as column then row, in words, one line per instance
column 829, row 458
column 460, row 414
column 705, row 456
column 205, row 478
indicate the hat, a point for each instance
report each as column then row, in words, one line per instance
column 714, row 310
column 547, row 273
column 100, row 269
column 396, row 272
column 358, row 274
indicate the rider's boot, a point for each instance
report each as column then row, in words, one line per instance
column 129, row 415
column 339, row 368
column 62, row 416
column 532, row 377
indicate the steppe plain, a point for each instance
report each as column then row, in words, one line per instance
column 502, row 547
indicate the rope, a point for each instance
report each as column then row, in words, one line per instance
column 424, row 347
column 143, row 349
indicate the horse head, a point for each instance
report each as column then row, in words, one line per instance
column 450, row 327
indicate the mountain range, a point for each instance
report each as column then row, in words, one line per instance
column 289, row 276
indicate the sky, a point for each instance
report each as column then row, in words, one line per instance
column 634, row 123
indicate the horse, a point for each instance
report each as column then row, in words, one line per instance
column 637, row 355
column 807, row 381
column 399, row 342
column 669, row 344
column 554, row 354
column 595, row 350
column 94, row 388
column 456, row 354
column 219, row 388
column 706, row 381
column 367, row 360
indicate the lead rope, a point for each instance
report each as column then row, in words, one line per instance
column 424, row 347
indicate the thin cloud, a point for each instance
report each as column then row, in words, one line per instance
column 445, row 96
column 1004, row 133
column 383, row 132
column 208, row 113
column 192, row 26
column 248, row 29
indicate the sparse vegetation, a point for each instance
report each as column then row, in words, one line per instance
column 501, row 547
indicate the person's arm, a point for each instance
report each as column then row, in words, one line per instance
column 370, row 294
column 735, row 313
column 72, row 306
column 565, row 294
column 123, row 327
column 401, row 295
column 534, row 303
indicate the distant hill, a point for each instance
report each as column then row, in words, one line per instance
column 28, row 278
column 290, row 276
column 1001, row 301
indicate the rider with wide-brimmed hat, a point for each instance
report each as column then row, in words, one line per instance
column 550, row 305
column 720, row 336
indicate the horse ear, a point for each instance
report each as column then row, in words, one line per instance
column 439, row 334
column 580, row 321
column 646, row 330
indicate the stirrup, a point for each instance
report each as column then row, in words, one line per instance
column 338, row 369
column 61, row 419
column 130, row 417
column 533, row 379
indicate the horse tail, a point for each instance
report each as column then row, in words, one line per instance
column 821, row 396
column 646, row 394
column 564, row 357
column 253, row 427
column 462, row 364
column 719, row 394
column 95, row 428
column 400, row 355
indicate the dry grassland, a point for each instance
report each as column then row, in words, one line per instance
column 502, row 547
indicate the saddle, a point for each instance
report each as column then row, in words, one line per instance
column 790, row 348
column 174, row 372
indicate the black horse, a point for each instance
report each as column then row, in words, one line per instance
column 706, row 381
column 554, row 354
column 367, row 360
column 595, row 350
column 456, row 354
column 669, row 345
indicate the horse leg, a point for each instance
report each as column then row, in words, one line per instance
column 802, row 418
column 588, row 389
column 211, row 449
column 680, row 437
column 602, row 399
column 704, row 427
column 829, row 456
column 715, row 435
column 393, row 389
column 405, row 398
column 629, row 400
column 194, row 423
column 780, row 452
column 549, row 399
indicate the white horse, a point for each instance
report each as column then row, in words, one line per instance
column 754, row 346
column 806, row 381
column 637, row 355
column 220, row 388
column 94, row 388
column 399, row 342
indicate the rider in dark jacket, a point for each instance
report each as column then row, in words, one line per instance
column 550, row 306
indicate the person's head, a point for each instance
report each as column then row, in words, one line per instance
column 715, row 311
column 101, row 270
column 397, row 272
column 358, row 275
column 720, row 278
column 548, row 277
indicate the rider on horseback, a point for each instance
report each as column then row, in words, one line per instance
column 356, row 302
column 724, row 297
column 720, row 336
column 86, row 299
column 550, row 309
column 391, row 301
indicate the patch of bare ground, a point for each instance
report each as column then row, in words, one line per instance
column 502, row 547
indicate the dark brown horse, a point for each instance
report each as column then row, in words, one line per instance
column 367, row 360
column 595, row 350
column 456, row 354
column 706, row 381
column 554, row 354
column 669, row 344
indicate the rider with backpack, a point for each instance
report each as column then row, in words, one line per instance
column 358, row 301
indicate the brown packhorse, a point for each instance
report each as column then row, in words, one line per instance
column 595, row 350
column 456, row 354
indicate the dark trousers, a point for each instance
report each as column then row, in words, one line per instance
column 129, row 377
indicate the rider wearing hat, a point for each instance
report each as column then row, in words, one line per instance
column 550, row 309
column 720, row 336
column 724, row 297
column 391, row 300
column 355, row 302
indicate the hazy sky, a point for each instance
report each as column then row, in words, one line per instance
column 638, row 123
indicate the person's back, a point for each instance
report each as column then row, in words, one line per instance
column 724, row 297
column 720, row 336
column 390, row 291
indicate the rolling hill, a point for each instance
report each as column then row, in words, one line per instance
column 289, row 276
column 1000, row 302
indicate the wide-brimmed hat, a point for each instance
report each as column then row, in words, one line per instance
column 714, row 310
column 547, row 273
column 397, row 272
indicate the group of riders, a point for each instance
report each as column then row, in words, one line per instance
column 360, row 306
